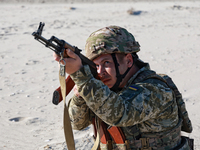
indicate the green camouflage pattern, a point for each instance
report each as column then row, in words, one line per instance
column 111, row 39
column 128, row 107
column 149, row 105
column 187, row 125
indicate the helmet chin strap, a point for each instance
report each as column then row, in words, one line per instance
column 119, row 76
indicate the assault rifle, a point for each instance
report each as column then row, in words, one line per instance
column 58, row 46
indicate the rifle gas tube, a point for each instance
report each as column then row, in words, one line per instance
column 58, row 46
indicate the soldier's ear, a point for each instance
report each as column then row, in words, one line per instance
column 129, row 60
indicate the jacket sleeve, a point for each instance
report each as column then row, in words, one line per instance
column 79, row 112
column 134, row 105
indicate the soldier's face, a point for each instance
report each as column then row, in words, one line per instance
column 106, row 69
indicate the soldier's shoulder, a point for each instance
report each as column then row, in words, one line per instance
column 132, row 91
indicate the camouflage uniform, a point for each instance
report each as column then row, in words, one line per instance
column 148, row 106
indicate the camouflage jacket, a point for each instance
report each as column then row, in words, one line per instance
column 150, row 104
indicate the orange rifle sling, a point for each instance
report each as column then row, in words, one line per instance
column 104, row 135
column 117, row 135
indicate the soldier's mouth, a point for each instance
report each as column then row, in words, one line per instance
column 106, row 80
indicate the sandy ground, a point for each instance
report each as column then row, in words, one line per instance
column 168, row 33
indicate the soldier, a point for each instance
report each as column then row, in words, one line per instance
column 137, row 107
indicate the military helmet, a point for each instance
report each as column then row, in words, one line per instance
column 108, row 40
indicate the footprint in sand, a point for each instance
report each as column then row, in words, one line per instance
column 28, row 120
column 17, row 119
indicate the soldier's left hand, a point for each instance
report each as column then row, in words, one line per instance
column 72, row 62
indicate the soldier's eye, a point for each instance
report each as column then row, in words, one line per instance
column 106, row 62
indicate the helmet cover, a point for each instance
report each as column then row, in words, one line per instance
column 108, row 40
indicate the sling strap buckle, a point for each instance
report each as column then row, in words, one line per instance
column 145, row 144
